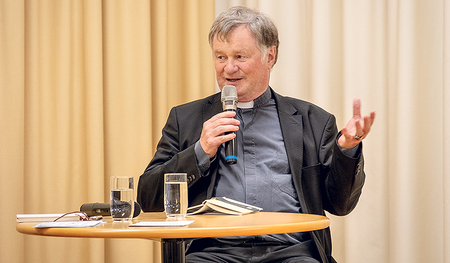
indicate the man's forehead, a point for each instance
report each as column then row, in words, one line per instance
column 221, row 47
column 227, row 41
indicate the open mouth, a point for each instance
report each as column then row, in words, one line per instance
column 233, row 80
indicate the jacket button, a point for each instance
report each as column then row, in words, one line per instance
column 191, row 178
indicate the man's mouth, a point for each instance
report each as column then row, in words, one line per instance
column 233, row 80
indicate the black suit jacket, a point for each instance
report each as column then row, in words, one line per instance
column 324, row 177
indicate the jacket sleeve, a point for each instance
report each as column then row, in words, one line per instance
column 175, row 153
column 344, row 176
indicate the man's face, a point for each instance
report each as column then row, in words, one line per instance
column 238, row 62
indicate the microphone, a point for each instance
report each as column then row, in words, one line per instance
column 102, row 209
column 229, row 102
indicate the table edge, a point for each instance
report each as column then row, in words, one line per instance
column 320, row 222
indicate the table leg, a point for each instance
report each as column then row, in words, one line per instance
column 172, row 251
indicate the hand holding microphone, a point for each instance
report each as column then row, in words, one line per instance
column 229, row 102
column 221, row 127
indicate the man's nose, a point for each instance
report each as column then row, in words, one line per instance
column 231, row 66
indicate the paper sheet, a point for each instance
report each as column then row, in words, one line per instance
column 60, row 224
column 24, row 218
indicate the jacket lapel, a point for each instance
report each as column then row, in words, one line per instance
column 292, row 129
column 213, row 107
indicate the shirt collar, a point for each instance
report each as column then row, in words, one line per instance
column 260, row 101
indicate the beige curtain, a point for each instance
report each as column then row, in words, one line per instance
column 395, row 56
column 85, row 88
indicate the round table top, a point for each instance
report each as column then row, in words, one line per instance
column 205, row 225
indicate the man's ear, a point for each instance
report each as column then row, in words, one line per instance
column 271, row 55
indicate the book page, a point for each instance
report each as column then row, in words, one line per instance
column 218, row 205
column 236, row 205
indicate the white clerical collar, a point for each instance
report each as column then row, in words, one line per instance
column 245, row 105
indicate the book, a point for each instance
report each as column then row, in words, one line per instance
column 223, row 205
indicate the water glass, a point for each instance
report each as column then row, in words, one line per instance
column 122, row 198
column 175, row 195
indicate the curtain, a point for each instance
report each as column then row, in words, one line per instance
column 85, row 89
column 395, row 56
column 86, row 86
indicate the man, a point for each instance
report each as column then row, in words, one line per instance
column 291, row 157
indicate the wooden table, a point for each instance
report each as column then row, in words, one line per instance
column 172, row 238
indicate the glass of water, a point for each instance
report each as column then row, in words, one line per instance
column 175, row 195
column 122, row 198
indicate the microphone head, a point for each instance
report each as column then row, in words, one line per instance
column 229, row 98
column 229, row 92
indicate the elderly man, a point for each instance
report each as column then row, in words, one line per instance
column 291, row 157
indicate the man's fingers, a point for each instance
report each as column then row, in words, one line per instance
column 217, row 130
column 359, row 130
column 224, row 129
column 368, row 121
column 372, row 117
column 345, row 133
column 356, row 108
column 226, row 114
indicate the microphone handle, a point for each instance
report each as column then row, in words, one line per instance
column 231, row 151
column 231, row 148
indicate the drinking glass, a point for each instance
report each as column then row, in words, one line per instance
column 122, row 198
column 175, row 195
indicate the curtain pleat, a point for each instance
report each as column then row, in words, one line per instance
column 12, row 143
column 446, row 131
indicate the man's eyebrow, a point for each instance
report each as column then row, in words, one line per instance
column 239, row 51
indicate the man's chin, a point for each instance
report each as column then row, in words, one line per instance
column 235, row 84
